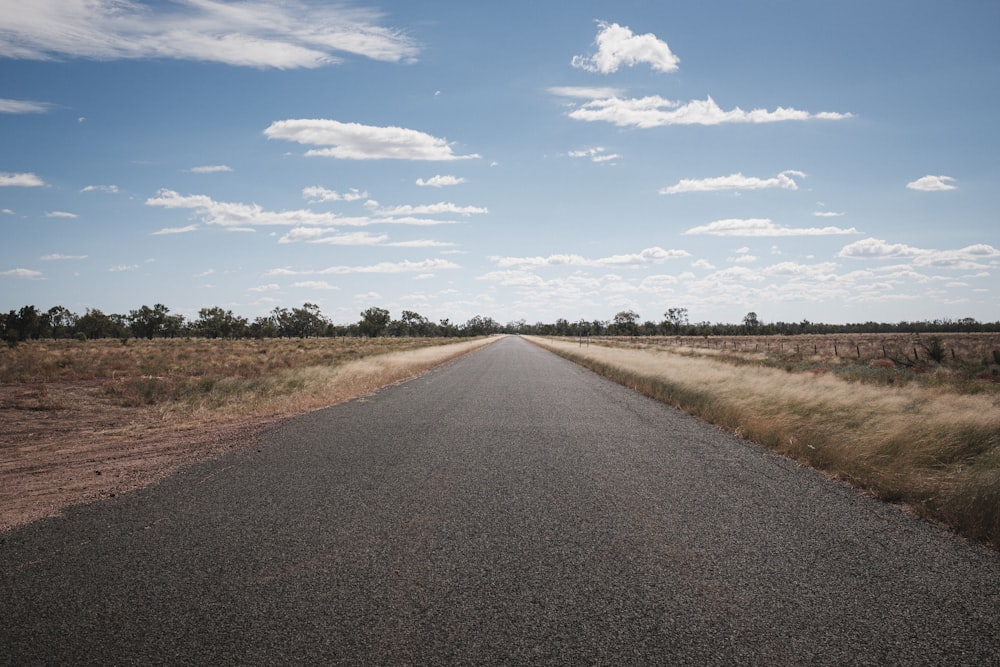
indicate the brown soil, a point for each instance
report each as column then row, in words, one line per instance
column 67, row 443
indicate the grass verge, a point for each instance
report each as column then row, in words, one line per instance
column 85, row 420
column 935, row 450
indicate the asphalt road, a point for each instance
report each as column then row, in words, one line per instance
column 507, row 508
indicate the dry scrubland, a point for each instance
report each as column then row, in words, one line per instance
column 922, row 432
column 82, row 420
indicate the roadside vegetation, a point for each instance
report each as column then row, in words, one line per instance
column 921, row 431
column 197, row 376
column 89, row 419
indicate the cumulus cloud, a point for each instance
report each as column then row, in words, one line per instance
column 210, row 169
column 735, row 181
column 110, row 189
column 978, row 256
column 315, row 284
column 655, row 255
column 234, row 214
column 21, row 273
column 617, row 45
column 22, row 180
column 55, row 257
column 354, row 141
column 586, row 92
column 23, row 106
column 317, row 194
column 762, row 227
column 175, row 230
column 433, row 209
column 281, row 35
column 597, row 154
column 656, row 111
column 932, row 184
column 440, row 181
column 350, row 239
column 61, row 214
column 406, row 266
column 828, row 214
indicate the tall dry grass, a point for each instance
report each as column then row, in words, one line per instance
column 228, row 376
column 933, row 449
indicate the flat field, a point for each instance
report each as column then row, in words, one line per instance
column 83, row 420
column 909, row 419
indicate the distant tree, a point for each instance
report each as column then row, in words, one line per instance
column 415, row 324
column 94, row 324
column 374, row 322
column 215, row 322
column 263, row 326
column 676, row 318
column 750, row 322
column 147, row 322
column 61, row 321
column 625, row 323
column 480, row 326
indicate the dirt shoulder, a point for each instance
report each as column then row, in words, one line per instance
column 65, row 443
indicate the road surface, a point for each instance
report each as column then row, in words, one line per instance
column 507, row 508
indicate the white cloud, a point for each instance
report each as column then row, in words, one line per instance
column 23, row 180
column 421, row 243
column 597, row 154
column 211, row 169
column 932, row 184
column 234, row 214
column 54, row 257
column 440, row 181
column 762, row 227
column 653, row 255
column 433, row 209
column 7, row 211
column 352, row 238
column 735, row 181
column 406, row 266
column 270, row 287
column 979, row 256
column 23, row 106
column 61, row 214
column 617, row 46
column 175, row 230
column 110, row 189
column 22, row 273
column 586, row 92
column 317, row 194
column 123, row 267
column 656, row 111
column 281, row 35
column 353, row 141
column 872, row 248
column 315, row 284
column 828, row 214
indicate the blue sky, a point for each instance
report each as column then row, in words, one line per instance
column 836, row 162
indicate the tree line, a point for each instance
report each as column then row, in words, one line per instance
column 30, row 323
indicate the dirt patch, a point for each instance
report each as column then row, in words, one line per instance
column 63, row 444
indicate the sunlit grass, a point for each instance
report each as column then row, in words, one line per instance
column 201, row 375
column 933, row 448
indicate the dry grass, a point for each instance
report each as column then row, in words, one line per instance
column 81, row 421
column 932, row 447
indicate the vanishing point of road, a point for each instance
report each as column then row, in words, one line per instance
column 506, row 508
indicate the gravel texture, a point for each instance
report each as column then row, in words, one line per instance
column 507, row 508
